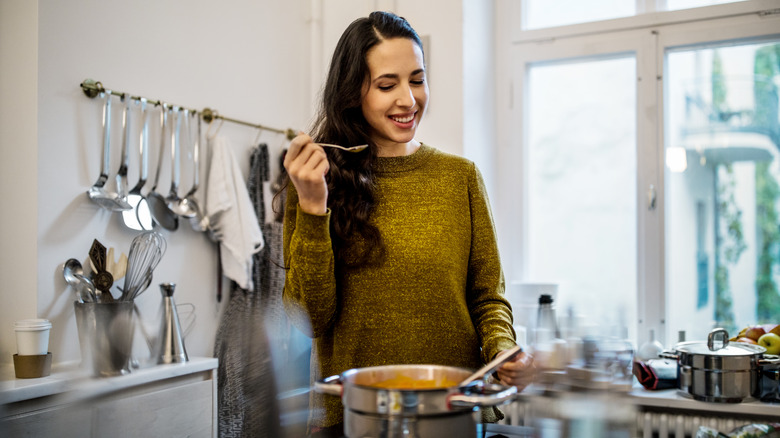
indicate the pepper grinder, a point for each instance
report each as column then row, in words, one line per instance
column 171, row 342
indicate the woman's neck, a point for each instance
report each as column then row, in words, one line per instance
column 397, row 149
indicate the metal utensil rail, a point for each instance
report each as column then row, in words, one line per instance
column 93, row 88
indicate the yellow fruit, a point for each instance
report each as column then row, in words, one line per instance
column 771, row 342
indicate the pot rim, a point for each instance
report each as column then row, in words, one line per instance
column 349, row 376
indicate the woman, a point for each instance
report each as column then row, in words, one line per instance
column 391, row 251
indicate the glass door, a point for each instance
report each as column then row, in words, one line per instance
column 581, row 169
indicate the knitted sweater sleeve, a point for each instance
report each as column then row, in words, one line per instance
column 310, row 286
column 490, row 311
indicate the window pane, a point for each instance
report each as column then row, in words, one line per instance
column 548, row 13
column 673, row 5
column 582, row 187
column 722, row 227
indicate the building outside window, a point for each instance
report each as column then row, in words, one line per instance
column 650, row 151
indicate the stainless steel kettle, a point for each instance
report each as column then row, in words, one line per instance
column 170, row 340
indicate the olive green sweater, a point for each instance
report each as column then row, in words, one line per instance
column 438, row 298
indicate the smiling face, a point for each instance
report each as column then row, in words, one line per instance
column 395, row 95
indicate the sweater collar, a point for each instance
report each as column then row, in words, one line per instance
column 404, row 163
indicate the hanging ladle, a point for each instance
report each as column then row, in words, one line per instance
column 175, row 203
column 199, row 222
column 196, row 221
column 157, row 203
column 139, row 217
column 188, row 206
column 98, row 192
column 121, row 174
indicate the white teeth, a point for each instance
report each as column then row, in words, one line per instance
column 403, row 119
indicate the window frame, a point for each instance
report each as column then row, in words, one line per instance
column 648, row 37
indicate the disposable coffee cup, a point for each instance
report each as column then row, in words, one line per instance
column 32, row 336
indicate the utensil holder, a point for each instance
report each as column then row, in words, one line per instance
column 106, row 336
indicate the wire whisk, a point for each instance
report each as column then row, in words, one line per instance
column 146, row 251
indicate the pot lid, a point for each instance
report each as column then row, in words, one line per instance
column 718, row 345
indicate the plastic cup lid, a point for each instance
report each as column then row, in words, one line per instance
column 32, row 324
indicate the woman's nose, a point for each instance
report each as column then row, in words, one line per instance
column 405, row 97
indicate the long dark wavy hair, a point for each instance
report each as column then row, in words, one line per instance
column 351, row 179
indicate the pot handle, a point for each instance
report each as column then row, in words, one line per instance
column 668, row 354
column 329, row 385
column 712, row 337
column 769, row 359
column 685, row 376
column 504, row 395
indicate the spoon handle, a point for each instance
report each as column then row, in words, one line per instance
column 493, row 365
column 344, row 148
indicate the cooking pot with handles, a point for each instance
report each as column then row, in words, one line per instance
column 412, row 400
column 717, row 371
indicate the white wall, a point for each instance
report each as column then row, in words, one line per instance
column 234, row 56
column 18, row 169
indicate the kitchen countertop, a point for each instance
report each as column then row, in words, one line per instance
column 70, row 380
column 673, row 399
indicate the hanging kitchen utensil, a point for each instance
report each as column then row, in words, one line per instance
column 102, row 278
column 187, row 206
column 139, row 217
column 162, row 215
column 121, row 174
column 98, row 192
column 173, row 200
column 74, row 276
column 197, row 220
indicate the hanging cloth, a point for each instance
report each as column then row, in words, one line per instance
column 231, row 215
column 247, row 390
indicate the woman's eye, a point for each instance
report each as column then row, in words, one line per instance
column 385, row 87
column 418, row 82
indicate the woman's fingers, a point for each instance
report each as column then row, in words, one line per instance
column 295, row 147
column 519, row 373
column 307, row 164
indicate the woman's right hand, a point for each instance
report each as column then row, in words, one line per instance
column 307, row 164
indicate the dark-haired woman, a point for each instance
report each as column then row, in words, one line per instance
column 392, row 251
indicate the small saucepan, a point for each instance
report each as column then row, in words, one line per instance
column 719, row 371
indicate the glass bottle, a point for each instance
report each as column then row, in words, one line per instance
column 546, row 322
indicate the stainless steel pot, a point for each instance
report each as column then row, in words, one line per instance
column 441, row 408
column 717, row 371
